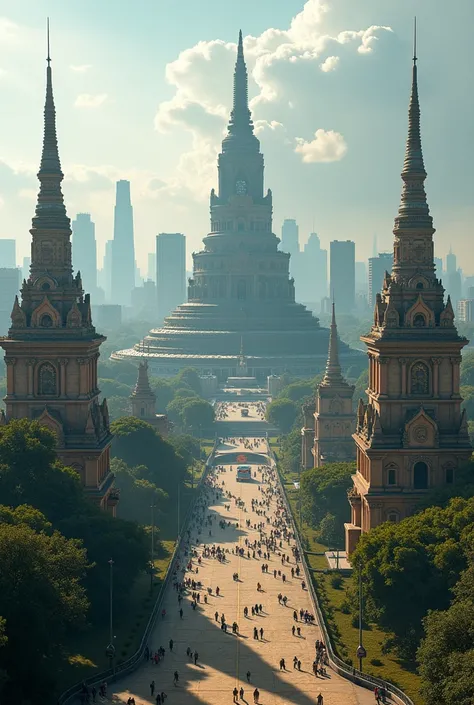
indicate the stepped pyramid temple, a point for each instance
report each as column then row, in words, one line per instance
column 327, row 433
column 240, row 286
column 52, row 348
column 411, row 436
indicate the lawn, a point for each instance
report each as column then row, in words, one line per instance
column 344, row 635
column 86, row 651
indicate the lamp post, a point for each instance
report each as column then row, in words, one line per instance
column 361, row 652
column 152, row 552
column 110, row 650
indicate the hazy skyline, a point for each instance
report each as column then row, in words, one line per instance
column 143, row 96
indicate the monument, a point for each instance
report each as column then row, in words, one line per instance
column 412, row 434
column 52, row 348
column 240, row 288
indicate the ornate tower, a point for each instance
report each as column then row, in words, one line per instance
column 143, row 400
column 411, row 436
column 52, row 348
column 333, row 418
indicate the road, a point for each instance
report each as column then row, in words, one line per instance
column 225, row 658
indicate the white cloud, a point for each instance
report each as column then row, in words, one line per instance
column 80, row 68
column 87, row 100
column 327, row 146
column 330, row 64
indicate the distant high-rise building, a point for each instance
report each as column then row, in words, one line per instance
column 9, row 288
column 342, row 274
column 454, row 286
column 170, row 272
column 123, row 249
column 361, row 282
column 7, row 253
column 290, row 237
column 312, row 272
column 377, row 268
column 84, row 251
column 151, row 274
column 451, row 262
column 465, row 310
column 438, row 267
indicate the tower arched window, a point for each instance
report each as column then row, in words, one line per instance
column 392, row 476
column 419, row 320
column 393, row 516
column 420, row 476
column 419, row 378
column 47, row 380
column 46, row 321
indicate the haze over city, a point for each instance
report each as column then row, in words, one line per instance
column 237, row 324
column 141, row 100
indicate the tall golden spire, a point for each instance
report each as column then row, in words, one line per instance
column 413, row 219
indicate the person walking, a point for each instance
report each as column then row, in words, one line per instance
column 152, row 688
column 261, row 632
column 158, row 699
column 196, row 656
column 175, row 678
column 171, row 644
column 241, row 693
column 248, row 676
column 320, row 700
column 235, row 693
column 256, row 695
column 181, row 613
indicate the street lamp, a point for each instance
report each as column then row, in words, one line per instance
column 152, row 561
column 361, row 652
column 110, row 650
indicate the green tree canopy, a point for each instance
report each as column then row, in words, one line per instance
column 282, row 413
column 41, row 597
column 324, row 491
column 190, row 377
column 296, row 391
column 164, row 393
column 197, row 414
column 112, row 388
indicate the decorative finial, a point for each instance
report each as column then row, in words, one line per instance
column 240, row 48
column 48, row 58
column 415, row 58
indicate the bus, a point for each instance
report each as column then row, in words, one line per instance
column 244, row 412
column 244, row 473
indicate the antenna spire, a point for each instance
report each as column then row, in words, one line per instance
column 415, row 58
column 240, row 119
column 48, row 58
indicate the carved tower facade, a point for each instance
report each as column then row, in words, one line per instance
column 143, row 400
column 412, row 435
column 52, row 348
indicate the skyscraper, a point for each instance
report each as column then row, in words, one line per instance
column 170, row 272
column 84, row 251
column 123, row 248
column 7, row 253
column 151, row 269
column 412, row 435
column 342, row 274
column 52, row 348
column 377, row 268
column 9, row 288
column 107, row 270
column 451, row 262
column 312, row 274
column 290, row 237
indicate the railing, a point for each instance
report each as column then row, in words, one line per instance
column 343, row 669
column 112, row 674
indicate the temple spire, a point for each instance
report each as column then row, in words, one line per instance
column 333, row 367
column 50, row 213
column 240, row 119
column 413, row 219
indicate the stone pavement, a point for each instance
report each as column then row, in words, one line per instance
column 224, row 658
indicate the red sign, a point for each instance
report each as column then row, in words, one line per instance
column 241, row 458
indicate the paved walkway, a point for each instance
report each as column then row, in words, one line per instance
column 224, row 659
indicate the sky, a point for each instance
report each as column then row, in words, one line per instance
column 143, row 91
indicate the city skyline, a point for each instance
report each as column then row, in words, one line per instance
column 372, row 59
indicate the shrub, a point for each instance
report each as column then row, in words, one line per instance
column 336, row 581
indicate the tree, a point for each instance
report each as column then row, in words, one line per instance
column 137, row 492
column 190, row 377
column 298, row 390
column 197, row 414
column 41, row 597
column 422, row 556
column 164, row 393
column 31, row 474
column 175, row 410
column 137, row 443
column 112, row 388
column 330, row 531
column 282, row 413
column 324, row 491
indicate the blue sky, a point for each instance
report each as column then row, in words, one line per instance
column 143, row 89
